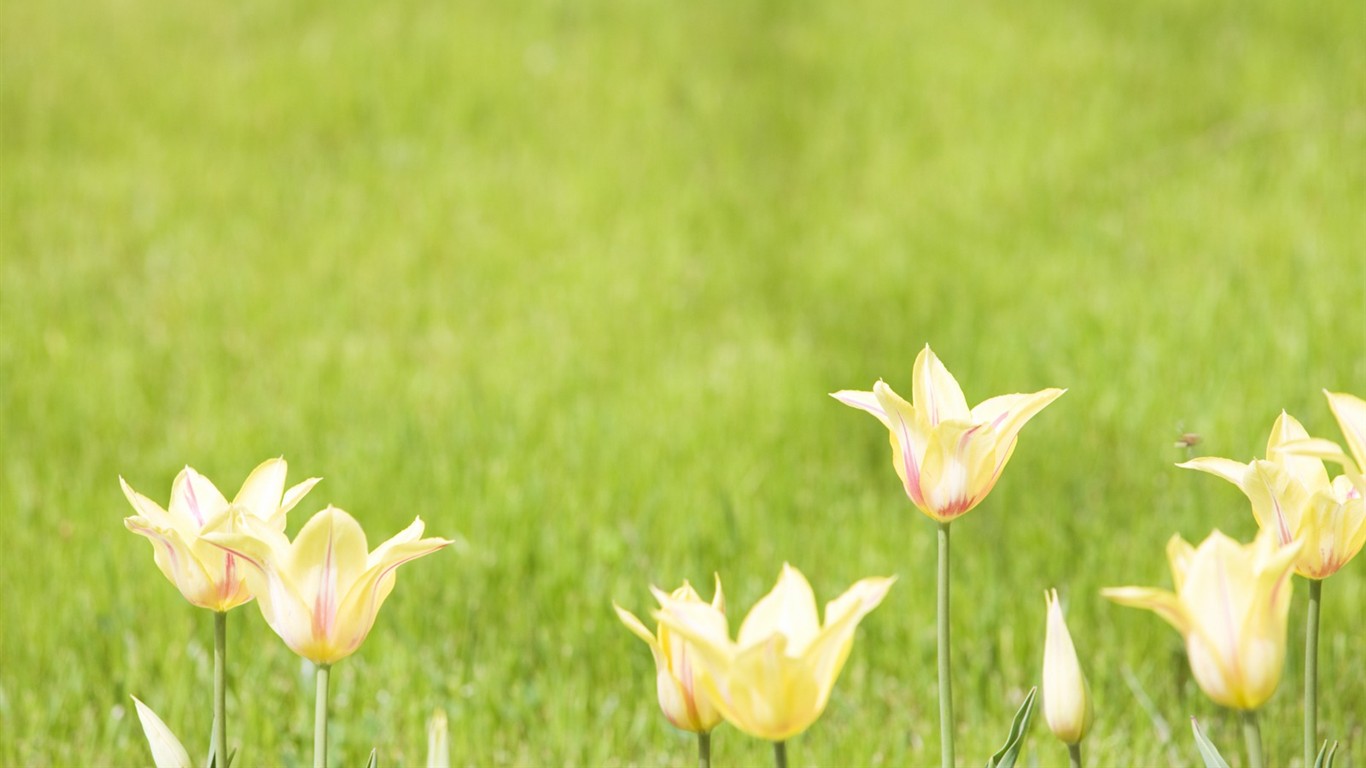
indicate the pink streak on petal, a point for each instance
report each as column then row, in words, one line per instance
column 325, row 602
column 908, row 462
column 193, row 501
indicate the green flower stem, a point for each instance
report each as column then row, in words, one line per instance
column 1252, row 737
column 1311, row 674
column 218, row 746
column 945, row 683
column 1074, row 755
column 320, row 719
column 704, row 749
column 780, row 754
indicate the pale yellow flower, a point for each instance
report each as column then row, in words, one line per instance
column 206, row 575
column 322, row 591
column 1066, row 696
column 677, row 672
column 1230, row 605
column 1292, row 495
column 948, row 456
column 774, row 680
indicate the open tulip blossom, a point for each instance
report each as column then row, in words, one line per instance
column 774, row 680
column 1292, row 495
column 1231, row 604
column 948, row 457
column 322, row 591
column 206, row 575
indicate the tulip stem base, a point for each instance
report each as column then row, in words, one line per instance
column 1252, row 738
column 704, row 749
column 218, row 745
column 945, row 679
column 1074, row 755
column 780, row 754
column 1311, row 674
column 320, row 719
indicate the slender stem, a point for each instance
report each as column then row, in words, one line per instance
column 320, row 719
column 218, row 746
column 1074, row 755
column 780, row 754
column 945, row 682
column 704, row 749
column 1252, row 737
column 1311, row 674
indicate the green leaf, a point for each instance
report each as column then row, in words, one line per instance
column 373, row 762
column 1208, row 752
column 1019, row 728
column 1326, row 760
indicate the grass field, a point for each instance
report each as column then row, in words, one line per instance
column 571, row 281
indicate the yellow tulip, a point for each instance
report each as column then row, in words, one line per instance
column 948, row 456
column 321, row 592
column 775, row 679
column 1066, row 696
column 676, row 670
column 1230, row 605
column 206, row 575
column 1292, row 495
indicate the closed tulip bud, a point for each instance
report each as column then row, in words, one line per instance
column 1066, row 696
column 948, row 456
column 774, row 680
column 678, row 675
column 1231, row 604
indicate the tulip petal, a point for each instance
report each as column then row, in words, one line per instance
column 145, row 507
column 361, row 603
column 700, row 624
column 1320, row 448
column 1308, row 470
column 194, row 499
column 1179, row 555
column 770, row 694
column 1278, row 499
column 935, row 392
column 842, row 616
column 958, row 469
column 1350, row 411
column 261, row 491
column 178, row 563
column 327, row 556
column 638, row 629
column 909, row 438
column 864, row 401
column 1007, row 414
column 1233, row 471
column 1160, row 601
column 788, row 610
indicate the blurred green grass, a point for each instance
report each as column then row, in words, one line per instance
column 571, row 280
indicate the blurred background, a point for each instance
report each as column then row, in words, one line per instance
column 571, row 281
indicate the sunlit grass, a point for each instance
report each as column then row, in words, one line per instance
column 572, row 281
